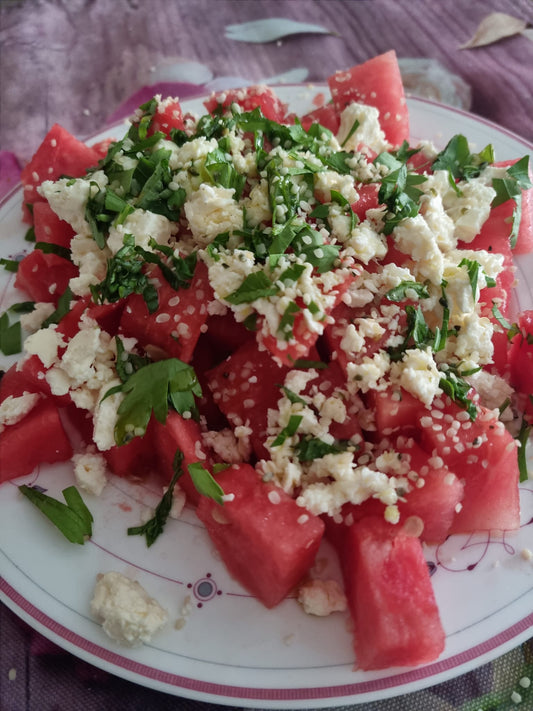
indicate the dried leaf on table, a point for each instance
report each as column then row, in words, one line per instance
column 273, row 28
column 493, row 28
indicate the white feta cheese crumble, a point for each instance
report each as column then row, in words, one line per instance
column 15, row 407
column 127, row 613
column 90, row 471
column 91, row 262
column 367, row 133
column 365, row 243
column 321, row 597
column 212, row 210
column 45, row 344
column 418, row 374
column 143, row 225
column 68, row 198
column 32, row 321
column 414, row 237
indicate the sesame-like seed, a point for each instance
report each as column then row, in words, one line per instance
column 426, row 421
column 436, row 462
column 458, row 507
column 162, row 318
column 462, row 416
column 248, row 404
column 437, row 414
column 190, row 309
column 174, row 301
column 304, row 518
column 274, row 497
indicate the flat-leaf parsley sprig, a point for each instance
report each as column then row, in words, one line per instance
column 72, row 518
column 204, row 483
column 152, row 388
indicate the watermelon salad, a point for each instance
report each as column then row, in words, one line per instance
column 302, row 325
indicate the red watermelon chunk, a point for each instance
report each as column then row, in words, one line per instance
column 396, row 410
column 326, row 116
column 482, row 454
column 137, row 458
column 175, row 326
column 435, row 496
column 248, row 99
column 245, row 386
column 60, row 154
column 391, row 599
column 25, row 376
column 376, row 82
column 44, row 277
column 49, row 228
column 168, row 116
column 266, row 540
column 185, row 435
column 521, row 361
column 302, row 337
column 39, row 438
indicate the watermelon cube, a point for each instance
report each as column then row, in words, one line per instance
column 266, row 540
column 390, row 596
column 38, row 438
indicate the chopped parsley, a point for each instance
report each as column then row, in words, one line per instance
column 152, row 389
column 10, row 330
column 72, row 518
column 154, row 527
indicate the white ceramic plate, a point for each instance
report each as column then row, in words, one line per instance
column 229, row 649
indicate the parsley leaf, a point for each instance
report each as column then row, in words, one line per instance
column 51, row 248
column 256, row 285
column 288, row 431
column 398, row 191
column 510, row 188
column 11, row 333
column 523, row 437
column 153, row 528
column 72, row 518
column 453, row 384
column 153, row 388
column 310, row 448
column 399, row 293
column 63, row 308
column 10, row 265
column 125, row 276
column 204, row 482
column 459, row 162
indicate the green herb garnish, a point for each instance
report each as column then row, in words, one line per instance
column 153, row 388
column 72, row 518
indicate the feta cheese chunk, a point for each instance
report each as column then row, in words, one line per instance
column 321, row 597
column 14, row 408
column 210, row 211
column 368, row 131
column 143, row 225
column 90, row 470
column 68, row 198
column 127, row 613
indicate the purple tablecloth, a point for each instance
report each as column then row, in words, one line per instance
column 80, row 62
